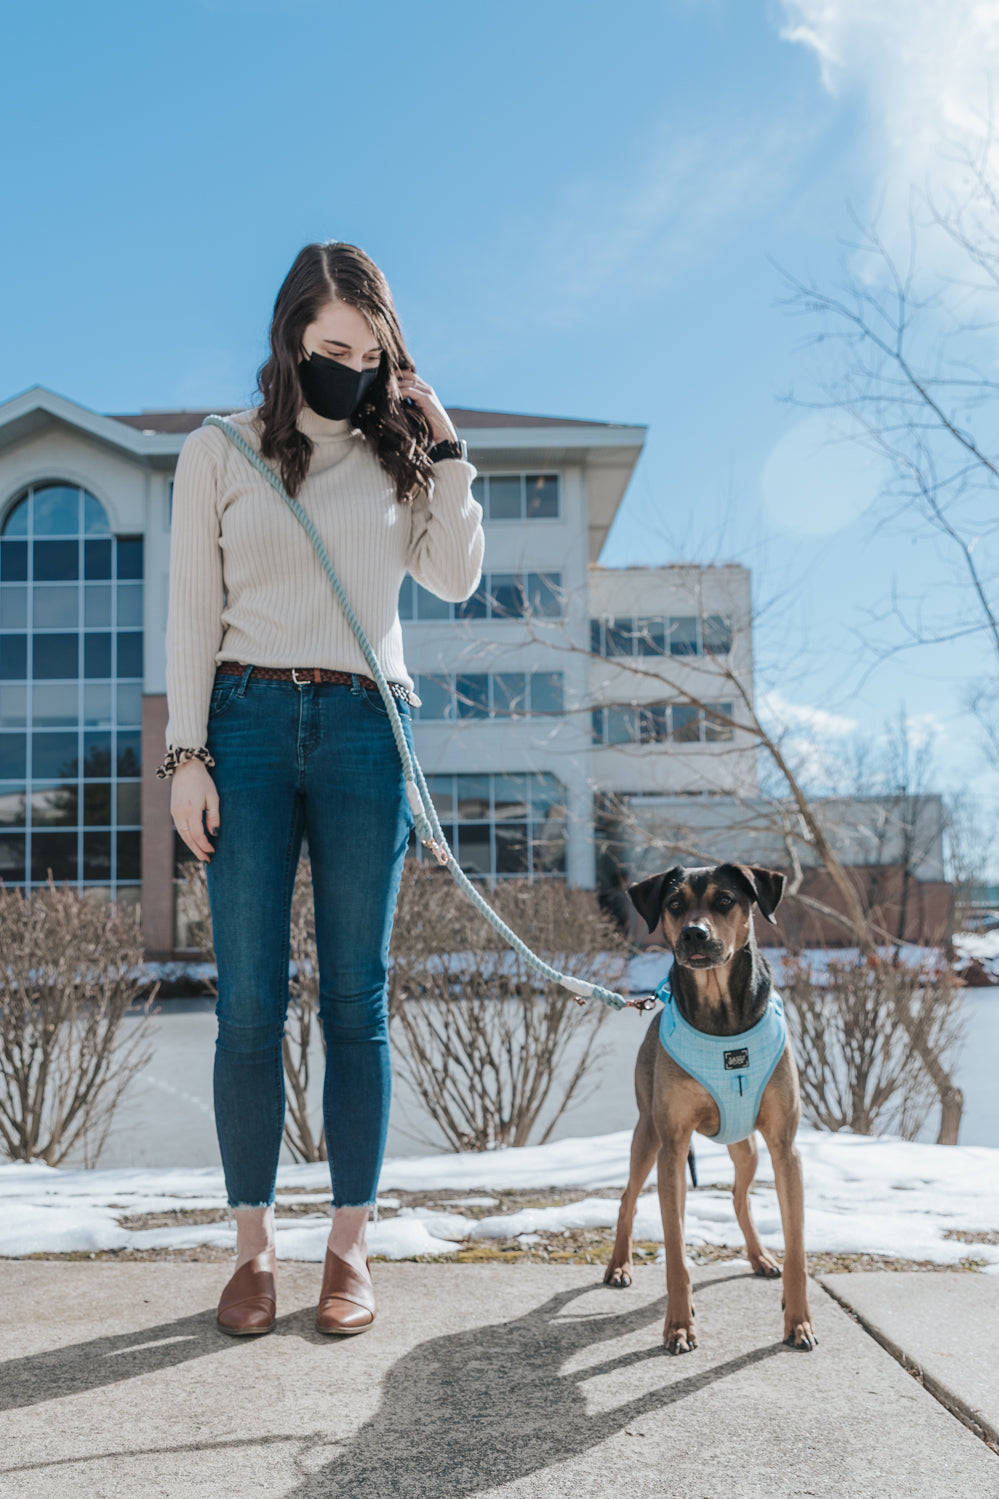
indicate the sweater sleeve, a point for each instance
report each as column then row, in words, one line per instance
column 194, row 610
column 446, row 541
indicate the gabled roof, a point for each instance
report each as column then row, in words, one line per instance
column 501, row 439
column 462, row 416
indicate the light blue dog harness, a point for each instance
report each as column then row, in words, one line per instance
column 734, row 1069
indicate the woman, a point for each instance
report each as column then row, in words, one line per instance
column 267, row 685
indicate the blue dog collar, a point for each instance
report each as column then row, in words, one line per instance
column 734, row 1069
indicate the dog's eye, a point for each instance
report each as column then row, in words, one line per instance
column 724, row 903
column 675, row 905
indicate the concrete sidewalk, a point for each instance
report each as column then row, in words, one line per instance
column 488, row 1380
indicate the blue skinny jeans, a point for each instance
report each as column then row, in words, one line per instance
column 317, row 758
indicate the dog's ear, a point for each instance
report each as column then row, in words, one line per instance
column 647, row 895
column 765, row 886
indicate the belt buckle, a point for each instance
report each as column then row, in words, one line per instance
column 294, row 678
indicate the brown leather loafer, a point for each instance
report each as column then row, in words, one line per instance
column 248, row 1303
column 347, row 1300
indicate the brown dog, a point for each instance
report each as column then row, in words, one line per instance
column 721, row 987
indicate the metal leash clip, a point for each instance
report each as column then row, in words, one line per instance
column 437, row 849
column 647, row 1002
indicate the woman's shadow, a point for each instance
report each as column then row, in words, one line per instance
column 468, row 1411
column 458, row 1414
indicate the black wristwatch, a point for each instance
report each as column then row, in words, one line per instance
column 449, row 448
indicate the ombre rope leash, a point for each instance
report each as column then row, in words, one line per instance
column 426, row 823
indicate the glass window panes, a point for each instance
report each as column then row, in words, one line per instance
column 505, row 497
column 129, row 702
column 53, row 703
column 56, row 606
column 479, row 489
column 437, row 701
column 509, row 694
column 546, row 691
column 506, row 825
column 510, row 797
column 541, row 496
column 507, row 594
column 717, row 635
column 686, row 723
column 129, row 604
column 622, row 727
column 13, row 606
column 620, row 636
column 472, row 695
column 96, row 654
column 13, row 705
column 16, row 523
column 683, row 635
column 650, row 637
column 407, row 598
column 543, row 596
column 716, row 728
column 55, row 534
column 653, row 723
column 13, row 807
column 473, row 797
column 12, row 851
column 14, row 561
column 511, row 848
column 56, row 510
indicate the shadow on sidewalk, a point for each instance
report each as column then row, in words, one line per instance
column 459, row 1413
column 468, row 1411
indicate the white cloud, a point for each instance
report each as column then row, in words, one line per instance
column 802, row 716
column 925, row 68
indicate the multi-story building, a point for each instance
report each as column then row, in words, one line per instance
column 557, row 683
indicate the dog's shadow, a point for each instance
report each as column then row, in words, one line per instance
column 467, row 1411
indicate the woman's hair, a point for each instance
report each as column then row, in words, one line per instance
column 400, row 435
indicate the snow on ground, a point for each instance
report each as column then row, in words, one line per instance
column 863, row 1195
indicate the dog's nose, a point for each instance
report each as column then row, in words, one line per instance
column 695, row 933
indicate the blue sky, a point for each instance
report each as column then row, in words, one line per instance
column 578, row 208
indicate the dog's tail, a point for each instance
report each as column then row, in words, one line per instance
column 692, row 1163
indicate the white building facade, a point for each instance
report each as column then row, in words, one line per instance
column 558, row 683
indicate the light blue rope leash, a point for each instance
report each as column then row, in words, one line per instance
column 426, row 823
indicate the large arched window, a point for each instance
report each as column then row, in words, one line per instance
column 71, row 679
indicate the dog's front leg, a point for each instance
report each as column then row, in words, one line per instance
column 678, row 1330
column 798, row 1330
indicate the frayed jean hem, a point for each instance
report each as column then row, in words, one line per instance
column 372, row 1205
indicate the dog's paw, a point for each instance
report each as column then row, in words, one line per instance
column 800, row 1334
column 618, row 1276
column 765, row 1265
column 680, row 1337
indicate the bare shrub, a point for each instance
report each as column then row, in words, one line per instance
column 305, row 1142
column 481, row 1038
column 862, row 1030
column 69, row 974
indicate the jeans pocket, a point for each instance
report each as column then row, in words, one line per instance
column 221, row 698
column 373, row 698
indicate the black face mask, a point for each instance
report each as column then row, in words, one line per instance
column 333, row 389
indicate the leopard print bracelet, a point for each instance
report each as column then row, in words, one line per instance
column 175, row 757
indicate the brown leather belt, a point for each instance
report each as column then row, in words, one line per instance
column 313, row 674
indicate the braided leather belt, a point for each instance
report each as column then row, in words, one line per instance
column 300, row 674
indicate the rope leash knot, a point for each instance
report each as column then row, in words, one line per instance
column 426, row 824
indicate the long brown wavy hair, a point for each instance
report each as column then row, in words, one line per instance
column 400, row 435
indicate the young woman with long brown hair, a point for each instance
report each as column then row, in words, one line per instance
column 266, row 685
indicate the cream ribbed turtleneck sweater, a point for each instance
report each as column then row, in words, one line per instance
column 246, row 583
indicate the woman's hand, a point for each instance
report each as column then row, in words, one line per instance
column 412, row 388
column 193, row 793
